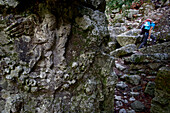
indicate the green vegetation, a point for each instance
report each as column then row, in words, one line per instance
column 119, row 4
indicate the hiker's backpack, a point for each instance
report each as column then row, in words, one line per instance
column 145, row 25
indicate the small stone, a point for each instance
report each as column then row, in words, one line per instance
column 121, row 67
column 122, row 110
column 134, row 79
column 131, row 111
column 121, row 85
column 124, row 76
column 74, row 64
column 33, row 89
column 124, row 93
column 138, row 106
column 26, row 88
column 66, row 75
column 88, row 90
column 118, row 97
column 119, row 103
column 132, row 99
column 125, row 101
column 43, row 75
column 134, row 93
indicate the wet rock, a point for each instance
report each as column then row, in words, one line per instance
column 138, row 106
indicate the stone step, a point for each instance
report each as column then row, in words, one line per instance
column 157, row 48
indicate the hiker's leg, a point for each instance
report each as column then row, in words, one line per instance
column 144, row 41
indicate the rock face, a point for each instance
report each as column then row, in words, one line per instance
column 161, row 101
column 49, row 61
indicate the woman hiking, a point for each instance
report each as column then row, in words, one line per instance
column 147, row 26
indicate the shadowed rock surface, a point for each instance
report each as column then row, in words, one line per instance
column 50, row 59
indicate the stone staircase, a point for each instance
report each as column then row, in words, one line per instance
column 139, row 72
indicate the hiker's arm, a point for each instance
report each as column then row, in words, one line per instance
column 150, row 32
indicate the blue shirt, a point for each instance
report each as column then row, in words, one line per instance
column 148, row 25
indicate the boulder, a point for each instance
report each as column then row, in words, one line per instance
column 124, row 50
column 161, row 101
column 128, row 37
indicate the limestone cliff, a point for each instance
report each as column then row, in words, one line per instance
column 50, row 57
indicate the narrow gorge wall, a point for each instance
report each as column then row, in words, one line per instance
column 50, row 58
